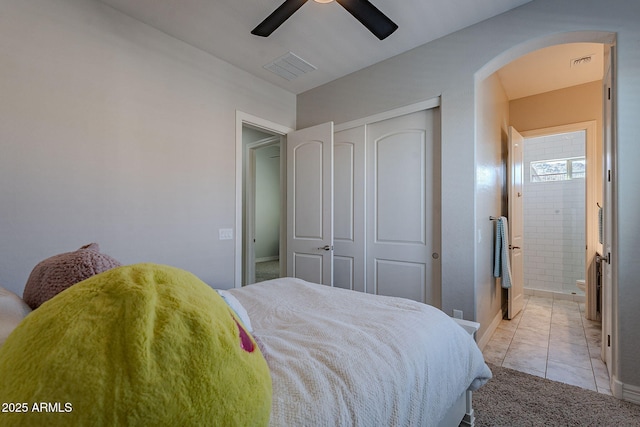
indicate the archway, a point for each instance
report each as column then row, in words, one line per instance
column 607, row 39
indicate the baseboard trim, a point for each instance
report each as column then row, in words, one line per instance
column 627, row 392
column 486, row 336
column 268, row 258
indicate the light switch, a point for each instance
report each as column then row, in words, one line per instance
column 226, row 233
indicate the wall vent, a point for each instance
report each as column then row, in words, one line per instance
column 290, row 66
column 583, row 60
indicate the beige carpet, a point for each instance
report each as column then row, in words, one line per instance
column 267, row 270
column 513, row 398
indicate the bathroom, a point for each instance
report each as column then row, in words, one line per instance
column 555, row 194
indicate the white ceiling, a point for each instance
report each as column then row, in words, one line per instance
column 325, row 35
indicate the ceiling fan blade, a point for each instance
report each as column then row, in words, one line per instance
column 277, row 17
column 370, row 16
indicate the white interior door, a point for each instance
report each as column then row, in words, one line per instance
column 348, row 208
column 402, row 220
column 310, row 204
column 516, row 222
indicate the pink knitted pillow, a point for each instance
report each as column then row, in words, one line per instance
column 57, row 273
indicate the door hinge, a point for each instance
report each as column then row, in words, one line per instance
column 609, row 175
column 608, row 257
column 608, row 340
column 609, row 93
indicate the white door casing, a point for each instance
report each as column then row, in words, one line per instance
column 243, row 119
column 515, row 180
column 609, row 231
column 310, row 204
column 402, row 244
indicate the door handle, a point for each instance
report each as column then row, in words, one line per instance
column 514, row 247
column 326, row 248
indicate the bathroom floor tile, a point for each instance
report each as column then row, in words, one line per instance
column 531, row 336
column 505, row 330
column 551, row 338
column 529, row 365
column 577, row 356
column 564, row 334
column 571, row 374
column 494, row 355
column 538, row 322
column 570, row 320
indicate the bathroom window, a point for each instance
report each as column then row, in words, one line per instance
column 558, row 169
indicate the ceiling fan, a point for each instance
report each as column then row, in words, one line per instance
column 369, row 15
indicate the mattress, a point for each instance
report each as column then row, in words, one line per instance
column 340, row 357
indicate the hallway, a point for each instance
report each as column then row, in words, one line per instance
column 552, row 339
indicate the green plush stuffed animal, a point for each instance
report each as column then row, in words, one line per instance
column 140, row 345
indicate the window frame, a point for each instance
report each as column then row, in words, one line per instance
column 536, row 178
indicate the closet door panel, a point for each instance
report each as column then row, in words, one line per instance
column 402, row 207
column 348, row 213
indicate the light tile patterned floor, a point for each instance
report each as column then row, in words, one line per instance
column 552, row 339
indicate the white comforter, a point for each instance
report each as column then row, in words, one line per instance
column 341, row 358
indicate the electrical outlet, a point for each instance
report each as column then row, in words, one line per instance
column 457, row 314
column 226, row 233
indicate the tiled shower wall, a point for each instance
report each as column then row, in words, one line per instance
column 554, row 218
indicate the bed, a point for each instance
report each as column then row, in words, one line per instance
column 339, row 357
column 334, row 357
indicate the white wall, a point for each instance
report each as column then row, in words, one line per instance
column 113, row 132
column 449, row 67
column 492, row 110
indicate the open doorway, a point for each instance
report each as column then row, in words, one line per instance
column 560, row 219
column 261, row 180
column 263, row 202
column 560, row 116
column 538, row 102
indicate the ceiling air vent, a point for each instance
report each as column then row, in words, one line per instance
column 290, row 66
column 583, row 60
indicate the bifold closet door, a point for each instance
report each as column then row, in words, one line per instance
column 402, row 214
column 348, row 208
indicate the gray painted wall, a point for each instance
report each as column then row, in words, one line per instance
column 113, row 132
column 449, row 67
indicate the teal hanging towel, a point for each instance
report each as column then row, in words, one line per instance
column 501, row 267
